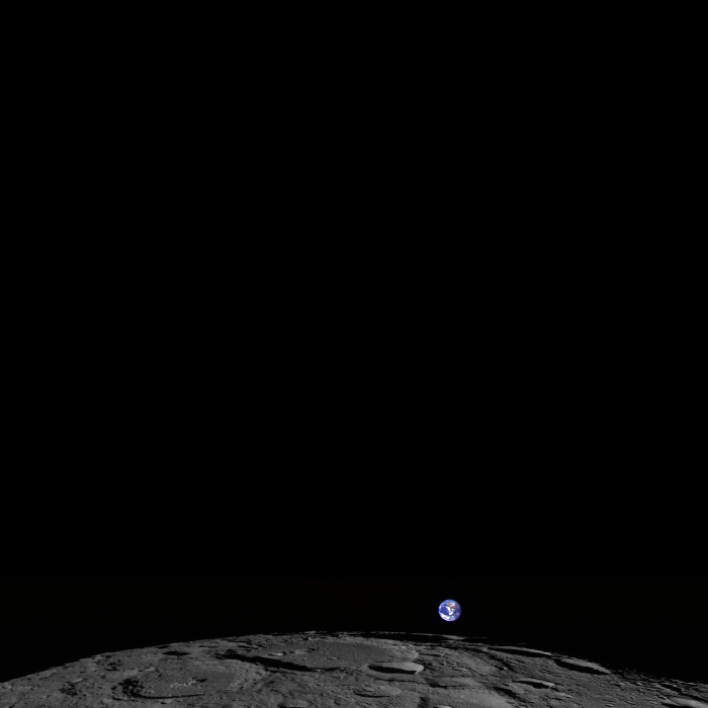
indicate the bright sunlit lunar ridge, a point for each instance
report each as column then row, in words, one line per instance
column 450, row 610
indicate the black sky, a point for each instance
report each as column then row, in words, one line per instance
column 369, row 603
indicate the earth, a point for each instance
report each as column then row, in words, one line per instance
column 450, row 610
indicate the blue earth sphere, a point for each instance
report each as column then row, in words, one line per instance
column 450, row 610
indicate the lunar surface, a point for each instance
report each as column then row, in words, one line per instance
column 324, row 670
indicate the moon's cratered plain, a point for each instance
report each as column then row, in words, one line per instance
column 338, row 670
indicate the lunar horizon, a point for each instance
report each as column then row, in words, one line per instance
column 332, row 669
column 658, row 628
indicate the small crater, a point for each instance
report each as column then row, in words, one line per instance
column 378, row 691
column 70, row 689
column 536, row 683
column 266, row 661
column 404, row 667
column 585, row 666
column 522, row 651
